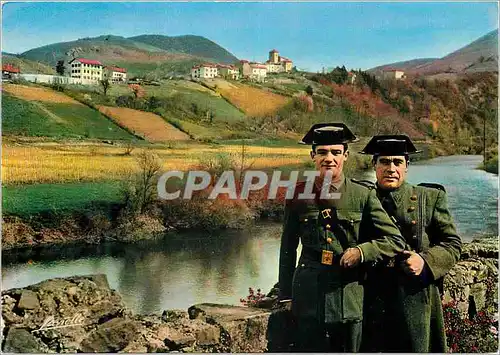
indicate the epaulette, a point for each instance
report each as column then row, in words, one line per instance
column 432, row 186
column 365, row 183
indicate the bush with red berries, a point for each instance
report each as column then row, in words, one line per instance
column 253, row 299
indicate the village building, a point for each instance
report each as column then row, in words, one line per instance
column 204, row 71
column 351, row 77
column 244, row 67
column 259, row 71
column 115, row 74
column 10, row 72
column 228, row 71
column 88, row 71
column 391, row 73
column 277, row 63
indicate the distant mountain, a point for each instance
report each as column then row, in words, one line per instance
column 26, row 65
column 153, row 55
column 193, row 45
column 480, row 55
column 406, row 65
column 104, row 48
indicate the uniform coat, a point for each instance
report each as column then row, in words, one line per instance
column 408, row 308
column 330, row 294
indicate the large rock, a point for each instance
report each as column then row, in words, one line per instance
column 243, row 329
column 111, row 336
column 61, row 313
column 21, row 341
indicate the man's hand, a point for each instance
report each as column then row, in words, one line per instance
column 414, row 264
column 285, row 305
column 351, row 257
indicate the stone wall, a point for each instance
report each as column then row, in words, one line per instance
column 82, row 314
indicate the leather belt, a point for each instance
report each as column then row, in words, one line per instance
column 316, row 256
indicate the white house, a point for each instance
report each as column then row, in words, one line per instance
column 391, row 73
column 204, row 71
column 258, row 71
column 115, row 74
column 228, row 71
column 88, row 71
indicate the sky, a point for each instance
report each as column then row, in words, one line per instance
column 359, row 35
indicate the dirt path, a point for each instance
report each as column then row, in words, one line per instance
column 52, row 115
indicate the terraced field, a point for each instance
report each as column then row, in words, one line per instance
column 254, row 102
column 65, row 118
column 145, row 124
column 31, row 93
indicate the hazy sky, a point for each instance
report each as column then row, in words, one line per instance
column 357, row 35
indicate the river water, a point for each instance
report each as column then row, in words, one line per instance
column 189, row 268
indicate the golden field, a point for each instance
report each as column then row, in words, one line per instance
column 31, row 93
column 146, row 124
column 59, row 163
column 254, row 102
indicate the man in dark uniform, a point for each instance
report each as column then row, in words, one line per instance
column 338, row 237
column 403, row 311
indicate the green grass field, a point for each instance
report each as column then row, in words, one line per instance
column 20, row 117
column 186, row 93
column 27, row 200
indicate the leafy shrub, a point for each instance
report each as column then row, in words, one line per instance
column 478, row 335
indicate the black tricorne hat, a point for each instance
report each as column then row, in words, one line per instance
column 328, row 133
column 391, row 144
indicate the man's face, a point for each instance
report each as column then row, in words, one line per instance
column 330, row 158
column 391, row 171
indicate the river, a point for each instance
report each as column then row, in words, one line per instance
column 189, row 268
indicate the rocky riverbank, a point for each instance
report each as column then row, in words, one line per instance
column 82, row 314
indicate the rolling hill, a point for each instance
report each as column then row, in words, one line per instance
column 26, row 65
column 193, row 45
column 148, row 54
column 479, row 56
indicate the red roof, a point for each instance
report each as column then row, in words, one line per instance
column 243, row 61
column 87, row 61
column 118, row 69
column 10, row 68
column 208, row 65
column 260, row 66
column 274, row 50
column 283, row 59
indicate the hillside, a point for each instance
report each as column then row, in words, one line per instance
column 26, row 65
column 193, row 45
column 32, row 111
column 479, row 56
column 103, row 48
column 139, row 55
column 405, row 65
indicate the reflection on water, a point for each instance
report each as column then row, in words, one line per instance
column 189, row 268
column 178, row 272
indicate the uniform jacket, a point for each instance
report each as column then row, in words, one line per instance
column 413, row 301
column 331, row 293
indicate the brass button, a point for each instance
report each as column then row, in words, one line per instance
column 411, row 209
column 329, row 240
column 303, row 265
column 305, row 219
column 328, row 226
column 413, row 198
column 413, row 222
